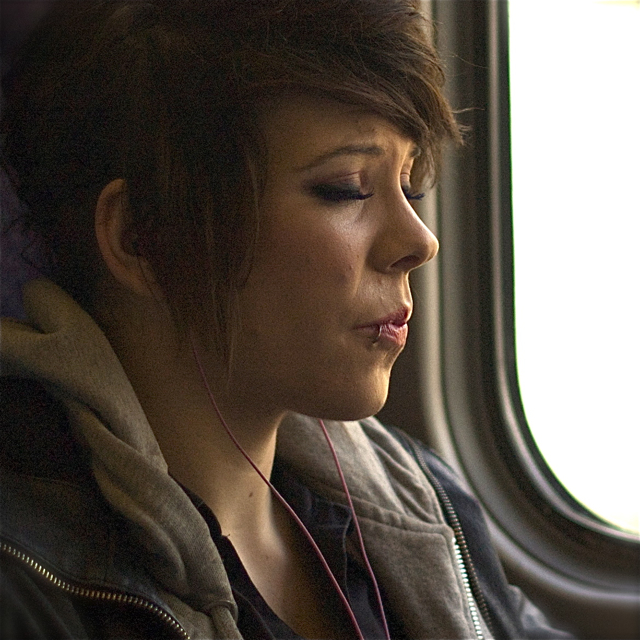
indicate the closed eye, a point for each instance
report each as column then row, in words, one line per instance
column 342, row 193
column 411, row 195
column 338, row 192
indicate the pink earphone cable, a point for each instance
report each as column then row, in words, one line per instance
column 295, row 517
column 358, row 531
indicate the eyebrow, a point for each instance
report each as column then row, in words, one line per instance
column 351, row 150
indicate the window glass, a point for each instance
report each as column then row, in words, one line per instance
column 575, row 117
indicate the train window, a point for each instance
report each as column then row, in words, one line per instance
column 460, row 385
column 575, row 150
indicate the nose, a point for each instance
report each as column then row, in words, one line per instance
column 406, row 242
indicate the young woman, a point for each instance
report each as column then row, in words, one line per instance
column 223, row 192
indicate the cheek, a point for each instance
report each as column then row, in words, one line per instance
column 303, row 297
column 309, row 264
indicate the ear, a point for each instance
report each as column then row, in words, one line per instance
column 116, row 244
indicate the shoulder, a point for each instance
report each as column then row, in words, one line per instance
column 382, row 476
column 512, row 614
column 59, row 540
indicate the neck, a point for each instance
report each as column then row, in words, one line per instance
column 199, row 452
column 201, row 455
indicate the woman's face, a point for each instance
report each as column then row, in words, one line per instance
column 323, row 313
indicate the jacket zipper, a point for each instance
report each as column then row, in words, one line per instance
column 465, row 563
column 95, row 594
column 468, row 592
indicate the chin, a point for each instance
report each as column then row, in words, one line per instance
column 359, row 404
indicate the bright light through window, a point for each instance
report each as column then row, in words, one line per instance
column 575, row 112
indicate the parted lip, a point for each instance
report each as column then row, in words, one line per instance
column 398, row 318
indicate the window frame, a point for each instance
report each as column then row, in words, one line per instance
column 579, row 569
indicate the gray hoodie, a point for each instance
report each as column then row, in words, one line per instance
column 410, row 546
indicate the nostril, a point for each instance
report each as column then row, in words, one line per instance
column 425, row 250
column 408, row 263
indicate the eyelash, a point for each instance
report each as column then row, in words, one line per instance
column 338, row 193
column 413, row 196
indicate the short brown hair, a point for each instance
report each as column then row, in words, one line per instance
column 167, row 95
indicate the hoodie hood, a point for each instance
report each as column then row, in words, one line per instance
column 65, row 350
column 410, row 546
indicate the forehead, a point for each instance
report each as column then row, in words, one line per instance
column 304, row 132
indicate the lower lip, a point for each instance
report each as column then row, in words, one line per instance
column 394, row 334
